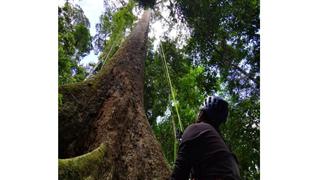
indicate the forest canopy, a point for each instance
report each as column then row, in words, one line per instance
column 209, row 47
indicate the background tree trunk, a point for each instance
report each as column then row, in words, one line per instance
column 108, row 109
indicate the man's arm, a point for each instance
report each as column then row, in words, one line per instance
column 183, row 163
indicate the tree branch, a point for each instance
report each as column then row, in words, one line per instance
column 228, row 62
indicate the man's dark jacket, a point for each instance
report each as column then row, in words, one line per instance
column 203, row 150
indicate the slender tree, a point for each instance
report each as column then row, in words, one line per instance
column 103, row 120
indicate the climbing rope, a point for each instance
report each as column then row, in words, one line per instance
column 171, row 87
column 103, row 62
column 174, row 103
column 104, row 59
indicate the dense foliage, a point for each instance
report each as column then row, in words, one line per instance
column 221, row 56
column 111, row 31
column 225, row 42
column 158, row 101
column 146, row 3
column 74, row 42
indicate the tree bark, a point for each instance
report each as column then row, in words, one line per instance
column 108, row 109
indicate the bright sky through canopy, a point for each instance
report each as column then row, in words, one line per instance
column 93, row 9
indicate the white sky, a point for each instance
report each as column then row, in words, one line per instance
column 94, row 8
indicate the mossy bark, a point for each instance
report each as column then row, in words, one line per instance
column 87, row 166
column 108, row 109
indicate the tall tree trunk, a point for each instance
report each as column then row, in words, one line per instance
column 108, row 110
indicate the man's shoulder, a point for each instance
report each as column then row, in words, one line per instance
column 195, row 130
column 199, row 126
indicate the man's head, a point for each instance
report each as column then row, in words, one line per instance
column 214, row 111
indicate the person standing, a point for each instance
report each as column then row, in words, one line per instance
column 202, row 151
